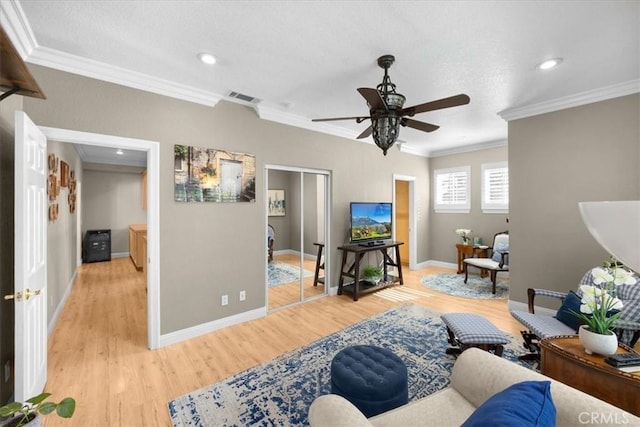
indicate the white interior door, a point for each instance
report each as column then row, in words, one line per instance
column 30, row 293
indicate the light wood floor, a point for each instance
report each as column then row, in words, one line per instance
column 289, row 293
column 98, row 351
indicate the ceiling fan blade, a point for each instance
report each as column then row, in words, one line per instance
column 452, row 101
column 357, row 119
column 365, row 133
column 425, row 127
column 373, row 98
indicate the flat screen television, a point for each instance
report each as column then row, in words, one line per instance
column 370, row 222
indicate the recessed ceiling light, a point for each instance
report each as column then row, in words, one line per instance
column 207, row 58
column 119, row 152
column 549, row 63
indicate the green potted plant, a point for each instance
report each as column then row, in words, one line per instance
column 26, row 414
column 373, row 274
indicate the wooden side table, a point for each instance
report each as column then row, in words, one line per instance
column 563, row 358
column 465, row 251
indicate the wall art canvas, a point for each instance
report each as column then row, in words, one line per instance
column 276, row 203
column 213, row 175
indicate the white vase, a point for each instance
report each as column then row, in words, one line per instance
column 597, row 343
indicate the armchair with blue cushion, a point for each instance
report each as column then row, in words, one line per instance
column 498, row 261
column 540, row 326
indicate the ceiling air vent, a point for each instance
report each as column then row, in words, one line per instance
column 244, row 98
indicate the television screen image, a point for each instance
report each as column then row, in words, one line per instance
column 370, row 221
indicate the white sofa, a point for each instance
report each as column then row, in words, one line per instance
column 477, row 375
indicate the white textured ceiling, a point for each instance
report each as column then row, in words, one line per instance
column 305, row 59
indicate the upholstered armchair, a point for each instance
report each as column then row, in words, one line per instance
column 271, row 238
column 497, row 261
column 540, row 326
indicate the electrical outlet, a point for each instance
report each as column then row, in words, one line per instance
column 224, row 300
column 243, row 295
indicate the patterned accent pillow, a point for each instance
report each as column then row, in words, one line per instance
column 497, row 252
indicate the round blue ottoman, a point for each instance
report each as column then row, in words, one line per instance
column 374, row 379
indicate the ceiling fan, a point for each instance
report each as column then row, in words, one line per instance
column 386, row 112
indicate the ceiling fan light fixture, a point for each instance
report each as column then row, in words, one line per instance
column 207, row 58
column 549, row 64
column 385, row 131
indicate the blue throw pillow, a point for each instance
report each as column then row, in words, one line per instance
column 571, row 302
column 523, row 404
column 497, row 252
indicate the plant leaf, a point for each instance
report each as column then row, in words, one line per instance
column 10, row 409
column 66, row 407
column 39, row 398
column 47, row 408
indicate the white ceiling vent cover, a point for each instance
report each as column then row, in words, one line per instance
column 244, row 98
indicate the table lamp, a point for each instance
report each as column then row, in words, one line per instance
column 616, row 226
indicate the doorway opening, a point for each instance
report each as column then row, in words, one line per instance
column 404, row 217
column 153, row 210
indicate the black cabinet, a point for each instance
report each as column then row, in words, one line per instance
column 97, row 245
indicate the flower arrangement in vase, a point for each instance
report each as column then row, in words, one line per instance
column 464, row 234
column 600, row 308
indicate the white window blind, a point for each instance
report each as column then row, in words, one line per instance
column 452, row 193
column 495, row 187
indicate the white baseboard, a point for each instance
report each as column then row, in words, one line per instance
column 205, row 328
column 63, row 301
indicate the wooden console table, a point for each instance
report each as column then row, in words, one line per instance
column 359, row 287
column 465, row 251
column 563, row 358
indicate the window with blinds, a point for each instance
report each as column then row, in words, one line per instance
column 452, row 192
column 495, row 187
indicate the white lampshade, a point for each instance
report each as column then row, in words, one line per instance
column 616, row 226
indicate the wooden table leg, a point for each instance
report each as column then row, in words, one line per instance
column 344, row 263
column 356, row 275
column 399, row 265
column 318, row 266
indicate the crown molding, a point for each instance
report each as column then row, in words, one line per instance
column 19, row 31
column 469, row 148
column 15, row 24
column 278, row 116
column 98, row 70
column 582, row 98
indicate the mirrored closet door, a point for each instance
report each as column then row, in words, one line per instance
column 297, row 224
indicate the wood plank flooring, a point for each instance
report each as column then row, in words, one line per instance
column 98, row 351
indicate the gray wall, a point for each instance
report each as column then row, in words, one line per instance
column 442, row 226
column 7, row 314
column 280, row 180
column 556, row 160
column 62, row 234
column 207, row 250
column 112, row 199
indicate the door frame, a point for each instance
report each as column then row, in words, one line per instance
column 412, row 216
column 153, row 210
column 327, row 230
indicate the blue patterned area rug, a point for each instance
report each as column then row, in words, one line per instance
column 476, row 286
column 279, row 392
column 279, row 273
